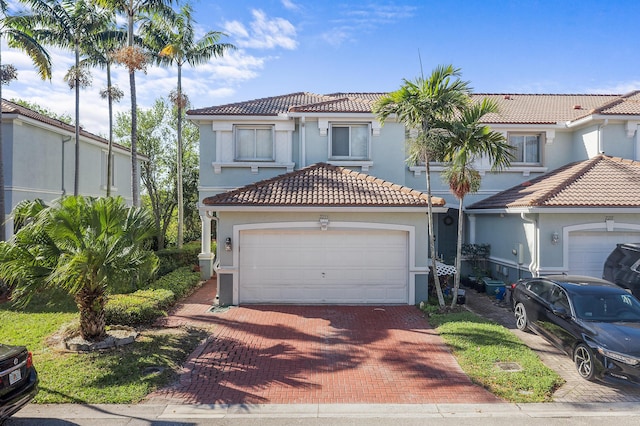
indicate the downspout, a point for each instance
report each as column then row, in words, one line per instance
column 600, row 126
column 533, row 266
column 64, row 191
column 303, row 142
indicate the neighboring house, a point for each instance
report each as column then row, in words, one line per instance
column 257, row 144
column 39, row 157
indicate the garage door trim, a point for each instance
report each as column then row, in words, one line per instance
column 316, row 226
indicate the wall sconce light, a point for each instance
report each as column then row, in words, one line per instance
column 555, row 238
column 324, row 222
column 227, row 244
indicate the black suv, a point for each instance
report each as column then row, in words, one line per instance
column 622, row 267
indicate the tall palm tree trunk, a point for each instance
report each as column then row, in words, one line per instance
column 135, row 180
column 432, row 238
column 456, row 282
column 3, row 235
column 110, row 149
column 76, row 173
column 179, row 163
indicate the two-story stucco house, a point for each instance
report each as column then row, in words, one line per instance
column 39, row 156
column 314, row 202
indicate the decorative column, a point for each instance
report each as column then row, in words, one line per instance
column 205, row 258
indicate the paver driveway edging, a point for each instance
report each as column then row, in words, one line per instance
column 317, row 354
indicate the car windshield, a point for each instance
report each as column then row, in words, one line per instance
column 607, row 307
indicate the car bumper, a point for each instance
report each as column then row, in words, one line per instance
column 18, row 398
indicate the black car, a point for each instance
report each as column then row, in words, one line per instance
column 622, row 267
column 594, row 321
column 18, row 379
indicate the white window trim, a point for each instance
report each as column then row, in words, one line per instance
column 526, row 170
column 336, row 159
column 254, row 127
column 541, row 140
column 254, row 166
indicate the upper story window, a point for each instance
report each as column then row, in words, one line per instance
column 349, row 141
column 254, row 143
column 527, row 147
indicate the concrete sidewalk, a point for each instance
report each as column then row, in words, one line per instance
column 156, row 412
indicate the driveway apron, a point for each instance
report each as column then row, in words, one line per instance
column 316, row 354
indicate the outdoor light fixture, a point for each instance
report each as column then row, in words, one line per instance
column 324, row 222
column 555, row 237
column 227, row 244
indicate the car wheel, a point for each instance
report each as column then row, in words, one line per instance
column 521, row 317
column 583, row 359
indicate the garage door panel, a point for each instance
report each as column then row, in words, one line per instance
column 589, row 250
column 362, row 266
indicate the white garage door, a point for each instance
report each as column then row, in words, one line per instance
column 316, row 267
column 589, row 250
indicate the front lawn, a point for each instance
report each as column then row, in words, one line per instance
column 480, row 345
column 123, row 375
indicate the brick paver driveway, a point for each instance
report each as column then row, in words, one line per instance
column 319, row 354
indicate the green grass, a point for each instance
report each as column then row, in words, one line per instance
column 116, row 376
column 479, row 344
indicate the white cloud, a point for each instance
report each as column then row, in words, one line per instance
column 264, row 32
column 288, row 4
column 361, row 19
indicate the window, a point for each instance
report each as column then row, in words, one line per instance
column 527, row 148
column 103, row 173
column 253, row 143
column 349, row 141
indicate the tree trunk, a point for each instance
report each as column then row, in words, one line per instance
column 91, row 305
column 110, row 149
column 135, row 181
column 456, row 281
column 3, row 234
column 76, row 179
column 179, row 163
column 432, row 237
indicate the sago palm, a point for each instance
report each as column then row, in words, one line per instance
column 467, row 139
column 85, row 246
column 421, row 105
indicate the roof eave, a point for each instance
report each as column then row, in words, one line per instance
column 340, row 209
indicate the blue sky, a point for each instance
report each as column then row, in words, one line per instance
column 284, row 46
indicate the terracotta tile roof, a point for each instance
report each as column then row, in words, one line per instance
column 602, row 181
column 543, row 109
column 323, row 185
column 9, row 107
column 514, row 108
column 265, row 106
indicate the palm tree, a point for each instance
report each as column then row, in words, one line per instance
column 178, row 47
column 466, row 140
column 18, row 38
column 421, row 105
column 68, row 24
column 85, row 246
column 134, row 59
column 101, row 54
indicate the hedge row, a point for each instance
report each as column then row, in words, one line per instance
column 144, row 306
column 172, row 259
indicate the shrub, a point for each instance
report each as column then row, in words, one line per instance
column 140, row 307
column 181, row 281
column 172, row 259
column 144, row 306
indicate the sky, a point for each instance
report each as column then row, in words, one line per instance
column 328, row 46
